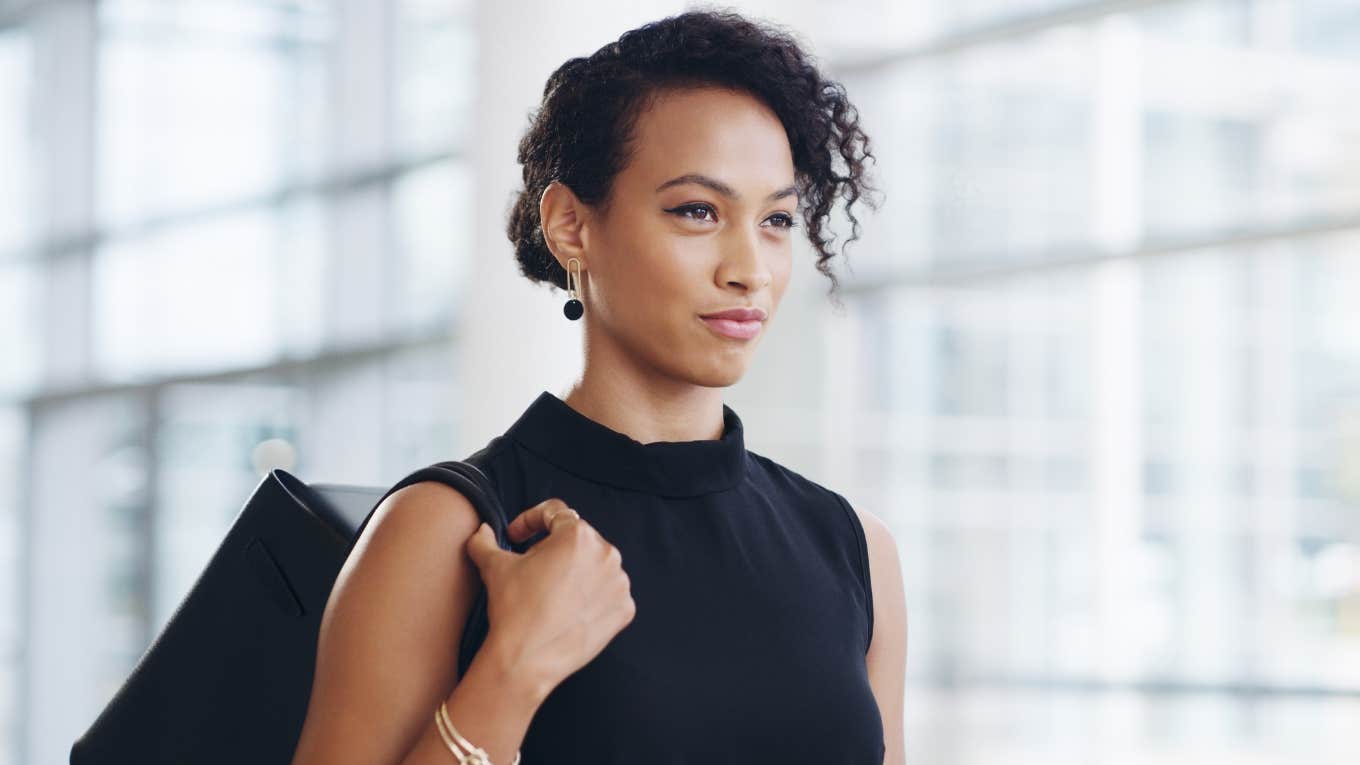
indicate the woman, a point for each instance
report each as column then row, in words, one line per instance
column 688, row 600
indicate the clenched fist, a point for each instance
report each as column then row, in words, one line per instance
column 555, row 606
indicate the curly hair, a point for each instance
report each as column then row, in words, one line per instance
column 581, row 133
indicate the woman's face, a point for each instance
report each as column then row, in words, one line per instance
column 699, row 223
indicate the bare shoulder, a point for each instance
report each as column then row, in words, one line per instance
column 885, row 577
column 386, row 653
column 876, row 532
column 410, row 521
column 887, row 655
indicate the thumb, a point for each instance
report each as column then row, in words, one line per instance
column 482, row 546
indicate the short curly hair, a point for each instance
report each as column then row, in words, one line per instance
column 581, row 132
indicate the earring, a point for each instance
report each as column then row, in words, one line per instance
column 573, row 308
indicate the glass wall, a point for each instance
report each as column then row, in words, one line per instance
column 1107, row 374
column 231, row 241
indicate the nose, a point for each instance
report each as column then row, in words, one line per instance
column 744, row 263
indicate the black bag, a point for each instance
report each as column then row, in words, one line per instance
column 229, row 678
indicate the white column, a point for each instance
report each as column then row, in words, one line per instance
column 1274, row 452
column 61, row 586
column 1116, row 405
column 358, row 244
column 63, row 172
column 78, row 640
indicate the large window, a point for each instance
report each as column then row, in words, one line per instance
column 231, row 240
column 1105, row 384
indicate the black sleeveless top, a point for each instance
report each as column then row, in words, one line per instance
column 752, row 591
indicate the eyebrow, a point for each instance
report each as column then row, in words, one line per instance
column 720, row 187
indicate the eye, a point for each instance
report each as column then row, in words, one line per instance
column 786, row 221
column 698, row 206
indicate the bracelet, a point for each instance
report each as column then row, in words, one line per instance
column 474, row 755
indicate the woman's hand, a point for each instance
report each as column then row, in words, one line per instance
column 554, row 607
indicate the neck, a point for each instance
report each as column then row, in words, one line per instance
column 645, row 408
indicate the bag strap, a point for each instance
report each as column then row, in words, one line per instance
column 469, row 480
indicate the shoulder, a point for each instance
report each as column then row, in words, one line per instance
column 768, row 471
column 876, row 534
column 873, row 527
column 400, row 600
column 492, row 457
column 414, row 515
column 875, row 545
column 403, row 555
column 880, row 544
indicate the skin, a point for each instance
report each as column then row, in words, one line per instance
column 664, row 254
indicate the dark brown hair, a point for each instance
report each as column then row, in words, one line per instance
column 581, row 132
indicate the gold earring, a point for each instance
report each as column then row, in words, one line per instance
column 574, row 308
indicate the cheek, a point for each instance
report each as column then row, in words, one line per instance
column 670, row 275
column 650, row 292
column 671, row 295
column 781, row 272
column 783, row 269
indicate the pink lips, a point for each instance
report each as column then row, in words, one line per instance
column 742, row 330
column 739, row 323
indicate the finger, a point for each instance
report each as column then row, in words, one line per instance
column 483, row 548
column 565, row 516
column 536, row 518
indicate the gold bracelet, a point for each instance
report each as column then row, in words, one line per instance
column 444, row 734
column 475, row 755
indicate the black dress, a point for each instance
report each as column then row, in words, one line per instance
column 752, row 590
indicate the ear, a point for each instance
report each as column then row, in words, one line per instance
column 563, row 218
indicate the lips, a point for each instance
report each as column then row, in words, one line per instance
column 739, row 330
column 737, row 314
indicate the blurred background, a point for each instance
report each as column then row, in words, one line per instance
column 1098, row 365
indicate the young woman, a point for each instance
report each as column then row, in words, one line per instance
column 689, row 600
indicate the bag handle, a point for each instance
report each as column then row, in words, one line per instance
column 469, row 480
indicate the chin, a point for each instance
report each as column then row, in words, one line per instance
column 721, row 375
column 706, row 369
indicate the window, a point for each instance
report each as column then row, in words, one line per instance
column 1105, row 333
column 226, row 230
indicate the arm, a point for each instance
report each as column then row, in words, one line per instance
column 387, row 650
column 489, row 707
column 887, row 656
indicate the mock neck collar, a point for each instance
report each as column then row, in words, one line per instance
column 553, row 430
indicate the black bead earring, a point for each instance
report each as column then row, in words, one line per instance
column 573, row 308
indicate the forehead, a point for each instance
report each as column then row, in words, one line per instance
column 720, row 132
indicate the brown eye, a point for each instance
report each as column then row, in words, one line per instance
column 684, row 209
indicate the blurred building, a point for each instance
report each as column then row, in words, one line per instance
column 1099, row 367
